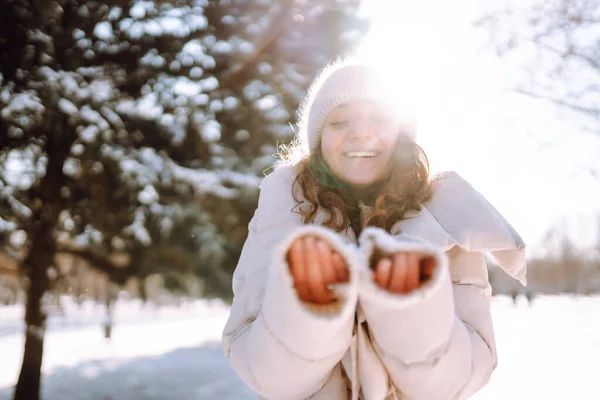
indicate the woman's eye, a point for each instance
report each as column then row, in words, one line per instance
column 382, row 121
column 339, row 124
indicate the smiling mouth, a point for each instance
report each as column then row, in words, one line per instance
column 361, row 154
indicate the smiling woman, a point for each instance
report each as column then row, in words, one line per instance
column 359, row 220
column 358, row 141
column 354, row 116
column 363, row 145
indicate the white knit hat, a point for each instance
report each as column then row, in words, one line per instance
column 343, row 82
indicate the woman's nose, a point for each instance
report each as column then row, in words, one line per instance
column 362, row 129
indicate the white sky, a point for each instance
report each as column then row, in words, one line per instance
column 472, row 122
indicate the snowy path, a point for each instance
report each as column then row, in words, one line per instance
column 548, row 351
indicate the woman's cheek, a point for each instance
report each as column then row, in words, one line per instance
column 330, row 142
column 390, row 137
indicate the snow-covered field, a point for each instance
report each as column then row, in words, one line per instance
column 550, row 350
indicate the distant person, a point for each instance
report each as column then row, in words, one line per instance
column 527, row 294
column 362, row 277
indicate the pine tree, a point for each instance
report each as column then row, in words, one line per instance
column 134, row 134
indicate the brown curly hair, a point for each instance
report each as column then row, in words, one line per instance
column 407, row 188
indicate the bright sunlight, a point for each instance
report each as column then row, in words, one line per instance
column 470, row 119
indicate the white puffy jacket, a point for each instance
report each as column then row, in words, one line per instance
column 435, row 343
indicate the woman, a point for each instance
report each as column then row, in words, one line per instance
column 361, row 277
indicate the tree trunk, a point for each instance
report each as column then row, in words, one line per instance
column 108, row 322
column 39, row 259
column 112, row 295
column 142, row 289
column 41, row 255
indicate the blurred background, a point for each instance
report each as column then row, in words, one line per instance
column 134, row 135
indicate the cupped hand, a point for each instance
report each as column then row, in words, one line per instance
column 403, row 272
column 315, row 266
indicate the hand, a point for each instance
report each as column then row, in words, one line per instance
column 314, row 266
column 403, row 272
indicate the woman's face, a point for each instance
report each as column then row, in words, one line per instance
column 358, row 142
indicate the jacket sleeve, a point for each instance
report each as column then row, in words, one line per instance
column 436, row 342
column 276, row 344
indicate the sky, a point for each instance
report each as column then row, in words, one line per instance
column 522, row 154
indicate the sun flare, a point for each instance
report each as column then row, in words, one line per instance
column 410, row 46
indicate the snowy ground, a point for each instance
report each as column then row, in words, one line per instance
column 548, row 351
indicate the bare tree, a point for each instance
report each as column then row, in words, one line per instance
column 559, row 41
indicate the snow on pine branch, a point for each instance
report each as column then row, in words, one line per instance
column 215, row 182
column 146, row 20
column 7, row 226
column 138, row 229
column 22, row 112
